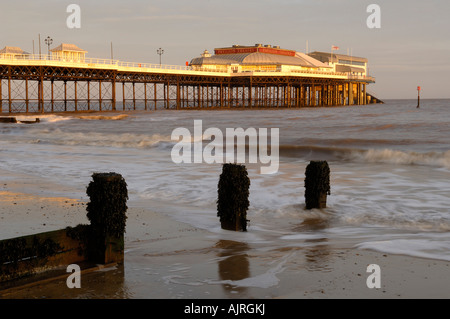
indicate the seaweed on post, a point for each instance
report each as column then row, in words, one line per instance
column 317, row 184
column 107, row 214
column 233, row 193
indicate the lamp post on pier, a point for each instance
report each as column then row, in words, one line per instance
column 48, row 41
column 160, row 52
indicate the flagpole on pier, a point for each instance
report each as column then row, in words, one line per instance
column 333, row 47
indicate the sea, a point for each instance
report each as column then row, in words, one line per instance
column 389, row 170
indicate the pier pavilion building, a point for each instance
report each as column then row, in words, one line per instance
column 351, row 65
column 68, row 52
column 263, row 58
column 12, row 53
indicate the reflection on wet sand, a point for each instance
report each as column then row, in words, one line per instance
column 318, row 255
column 312, row 224
column 108, row 283
column 318, row 258
column 233, row 264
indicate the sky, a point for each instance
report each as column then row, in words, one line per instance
column 411, row 48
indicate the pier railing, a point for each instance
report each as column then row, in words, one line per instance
column 88, row 62
column 36, row 59
column 361, row 77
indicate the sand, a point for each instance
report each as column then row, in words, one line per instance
column 166, row 259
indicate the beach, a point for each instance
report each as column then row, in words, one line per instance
column 388, row 206
column 166, row 259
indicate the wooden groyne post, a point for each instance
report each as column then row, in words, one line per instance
column 101, row 242
column 233, row 193
column 107, row 214
column 317, row 184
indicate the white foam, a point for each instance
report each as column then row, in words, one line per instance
column 44, row 118
column 265, row 280
column 304, row 236
column 123, row 140
column 424, row 248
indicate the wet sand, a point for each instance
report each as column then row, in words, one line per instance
column 167, row 259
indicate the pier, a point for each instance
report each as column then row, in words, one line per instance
column 74, row 83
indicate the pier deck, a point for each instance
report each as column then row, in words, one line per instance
column 45, row 84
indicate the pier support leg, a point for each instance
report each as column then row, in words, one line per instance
column 9, row 94
column 26, row 96
column 145, row 96
column 364, row 93
column 277, row 96
column 221, row 95
column 113, row 93
column 243, row 96
column 313, row 89
column 89, row 95
column 199, row 103
column 250, row 97
column 65, row 96
column 76, row 97
column 52, row 84
column 134, row 96
column 350, row 94
column 333, row 95
column 168, row 96
column 178, row 94
column 123, row 95
column 41, row 94
column 289, row 95
column 155, row 95
column 100, row 95
column 344, row 93
column 361, row 94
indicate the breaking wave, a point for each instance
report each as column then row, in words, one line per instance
column 103, row 117
column 440, row 159
column 44, row 118
column 124, row 140
column 386, row 155
column 52, row 118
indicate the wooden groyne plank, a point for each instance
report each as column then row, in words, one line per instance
column 8, row 288
column 101, row 242
column 14, row 120
column 8, row 120
column 23, row 256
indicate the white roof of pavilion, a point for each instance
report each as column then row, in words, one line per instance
column 67, row 47
column 12, row 50
column 259, row 58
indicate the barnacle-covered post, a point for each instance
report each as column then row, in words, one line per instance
column 317, row 184
column 233, row 192
column 107, row 214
